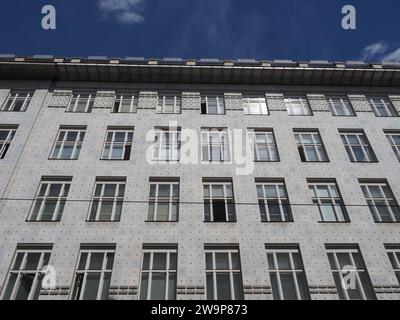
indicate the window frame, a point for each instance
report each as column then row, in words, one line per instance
column 126, row 143
column 77, row 144
column 15, row 95
column 150, row 271
column 395, row 147
column 222, row 145
column 220, row 104
column 390, row 110
column 177, row 103
column 262, row 100
column 157, row 200
column 6, row 144
column 345, row 103
column 120, row 99
column 305, row 105
column 74, row 102
column 159, row 146
column 393, row 252
column 360, row 134
column 315, row 145
column 225, row 198
column 269, row 134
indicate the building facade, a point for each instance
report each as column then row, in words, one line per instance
column 99, row 198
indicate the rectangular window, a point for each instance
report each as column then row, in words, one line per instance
column 6, row 136
column 255, row 105
column 350, row 273
column 215, row 145
column 50, row 199
column 326, row 195
column 93, row 273
column 273, row 200
column 340, row 106
column 167, row 144
column 170, row 104
column 286, row 271
column 68, row 143
column 163, row 200
column 118, row 144
column 223, row 273
column 81, row 103
column 381, row 201
column 125, row 103
column 219, row 203
column 107, row 199
column 212, row 105
column 357, row 146
column 382, row 107
column 264, row 145
column 17, row 101
column 297, row 106
column 394, row 140
column 310, row 146
column 24, row 280
column 393, row 252
column 158, row 273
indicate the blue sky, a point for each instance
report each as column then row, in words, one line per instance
column 225, row 29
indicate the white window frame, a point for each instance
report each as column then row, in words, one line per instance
column 60, row 198
column 262, row 105
column 225, row 197
column 5, row 144
column 220, row 102
column 355, row 272
column 396, row 147
column 304, row 106
column 345, row 104
column 74, row 102
column 322, row 155
column 126, row 143
column 371, row 201
column 161, row 146
column 130, row 100
column 394, row 257
column 214, row 271
column 270, row 145
column 293, row 271
column 157, row 199
column 77, row 144
column 20, row 272
column 150, row 271
column 103, row 271
column 177, row 104
column 388, row 108
column 261, row 185
column 335, row 202
column 9, row 104
column 364, row 146
column 223, row 144
column 101, row 198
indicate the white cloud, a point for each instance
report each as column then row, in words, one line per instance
column 124, row 11
column 374, row 49
column 392, row 56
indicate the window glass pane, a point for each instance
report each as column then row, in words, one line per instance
column 91, row 286
column 159, row 261
column 158, row 285
column 32, row 261
column 223, row 286
column 288, row 286
column 210, row 286
column 96, row 261
column 222, row 261
column 25, row 286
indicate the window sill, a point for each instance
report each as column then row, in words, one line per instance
column 219, row 222
column 62, row 159
column 278, row 222
column 334, row 222
column 40, row 221
column 364, row 161
column 152, row 221
column 102, row 221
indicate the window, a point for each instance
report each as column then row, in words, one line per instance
column 219, row 204
column 17, row 101
column 273, row 201
column 50, row 199
column 215, row 145
column 170, row 104
column 350, row 273
column 357, row 146
column 382, row 107
column 118, row 144
column 158, row 274
column 6, row 136
column 393, row 252
column 125, row 103
column 81, row 103
column 108, row 196
column 340, row 106
column 167, row 144
column 212, row 105
column 255, row 105
column 381, row 201
column 310, row 146
column 68, row 143
column 93, row 273
column 163, row 200
column 326, row 195
column 265, row 148
column 223, row 274
column 286, row 271
column 394, row 140
column 297, row 107
column 24, row 280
